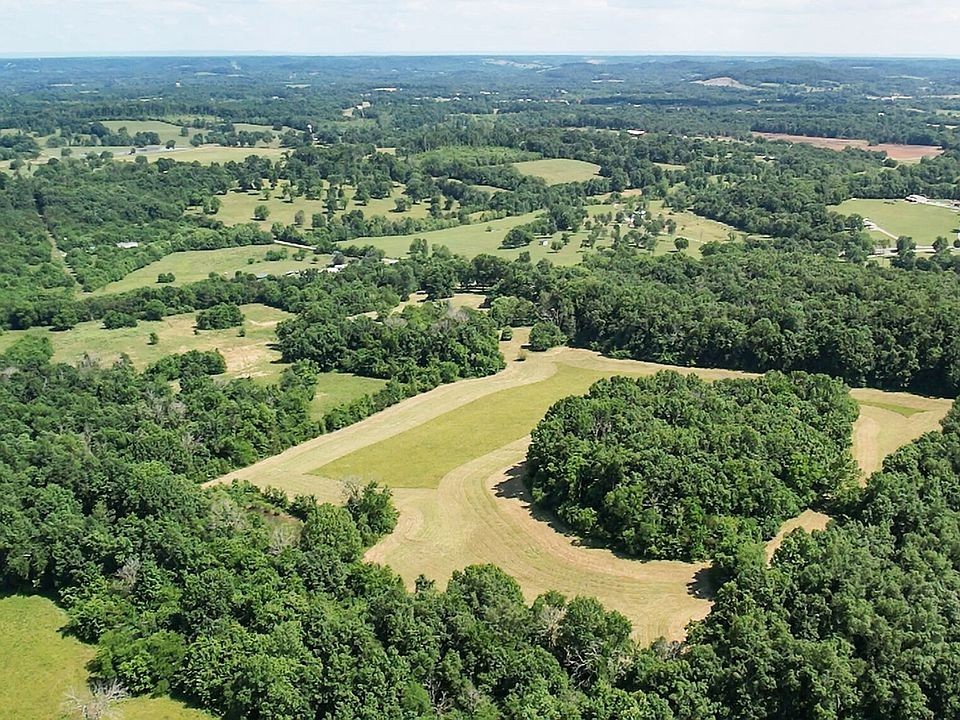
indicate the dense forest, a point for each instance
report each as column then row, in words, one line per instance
column 675, row 467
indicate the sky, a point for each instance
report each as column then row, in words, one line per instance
column 634, row 27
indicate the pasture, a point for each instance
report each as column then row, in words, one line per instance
column 194, row 265
column 476, row 238
column 39, row 666
column 559, row 170
column 921, row 222
column 238, row 207
column 249, row 356
column 454, row 457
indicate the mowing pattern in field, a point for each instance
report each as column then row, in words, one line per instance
column 921, row 222
column 38, row 666
column 559, row 170
column 453, row 456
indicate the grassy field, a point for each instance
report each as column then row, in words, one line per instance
column 454, row 456
column 698, row 230
column 39, row 666
column 196, row 265
column 921, row 222
column 559, row 170
column 489, row 422
column 166, row 131
column 471, row 240
column 248, row 356
column 237, row 207
column 335, row 389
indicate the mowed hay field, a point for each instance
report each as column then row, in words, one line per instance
column 559, row 170
column 895, row 151
column 39, row 666
column 194, row 265
column 454, row 458
column 921, row 222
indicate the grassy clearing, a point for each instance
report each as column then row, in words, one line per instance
column 888, row 421
column 427, row 451
column 335, row 389
column 166, row 131
column 921, row 222
column 478, row 511
column 559, row 170
column 195, row 265
column 698, row 230
column 39, row 666
column 249, row 356
column 474, row 239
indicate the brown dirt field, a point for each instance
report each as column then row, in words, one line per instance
column 899, row 152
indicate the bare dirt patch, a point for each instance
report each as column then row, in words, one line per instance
column 895, row 151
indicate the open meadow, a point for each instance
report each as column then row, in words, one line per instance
column 559, row 170
column 898, row 217
column 193, row 265
column 39, row 666
column 486, row 237
column 454, row 458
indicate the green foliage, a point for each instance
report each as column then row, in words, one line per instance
column 674, row 467
column 219, row 317
column 545, row 335
column 114, row 319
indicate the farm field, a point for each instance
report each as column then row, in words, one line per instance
column 559, row 170
column 895, row 151
column 39, row 666
column 166, row 131
column 921, row 222
column 248, row 356
column 194, row 265
column 463, row 503
column 474, row 239
column 237, row 208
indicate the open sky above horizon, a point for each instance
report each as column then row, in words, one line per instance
column 775, row 27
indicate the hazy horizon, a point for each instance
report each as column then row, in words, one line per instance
column 746, row 28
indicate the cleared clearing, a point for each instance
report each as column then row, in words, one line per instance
column 888, row 421
column 559, row 170
column 921, row 222
column 194, row 265
column 39, row 665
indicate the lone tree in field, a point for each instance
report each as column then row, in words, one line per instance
column 261, row 212
column 681, row 244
